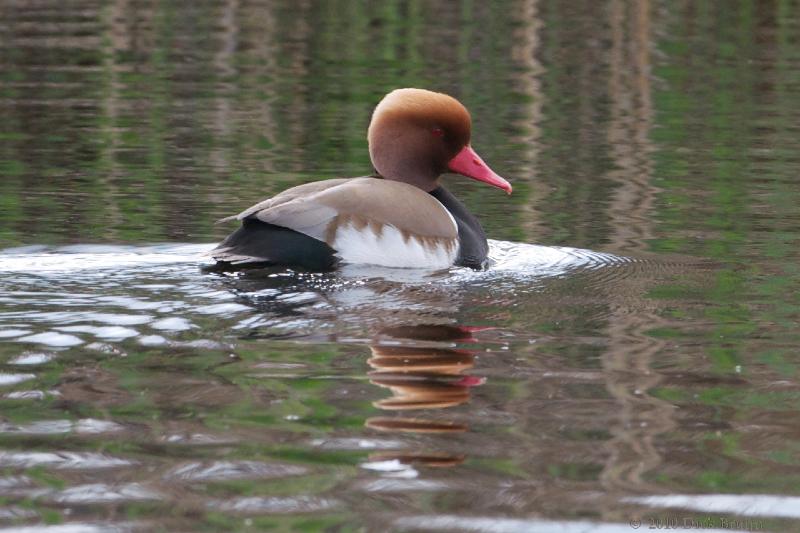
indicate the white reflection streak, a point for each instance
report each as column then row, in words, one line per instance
column 737, row 504
column 85, row 426
column 61, row 460
column 68, row 528
column 88, row 257
column 516, row 525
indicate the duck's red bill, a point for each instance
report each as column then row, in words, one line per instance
column 468, row 163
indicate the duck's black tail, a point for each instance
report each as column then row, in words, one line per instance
column 259, row 243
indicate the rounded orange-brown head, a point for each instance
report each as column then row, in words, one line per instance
column 415, row 135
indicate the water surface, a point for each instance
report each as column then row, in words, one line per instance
column 629, row 357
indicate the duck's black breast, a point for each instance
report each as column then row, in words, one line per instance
column 473, row 249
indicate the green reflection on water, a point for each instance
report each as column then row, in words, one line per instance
column 177, row 114
column 726, row 183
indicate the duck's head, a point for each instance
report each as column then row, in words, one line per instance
column 416, row 135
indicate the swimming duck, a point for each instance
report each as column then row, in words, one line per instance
column 400, row 217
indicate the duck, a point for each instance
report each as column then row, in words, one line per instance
column 401, row 216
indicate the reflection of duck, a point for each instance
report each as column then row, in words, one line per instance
column 423, row 390
column 422, row 376
column 406, row 358
column 402, row 217
column 434, row 332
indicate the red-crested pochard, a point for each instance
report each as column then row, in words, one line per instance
column 400, row 217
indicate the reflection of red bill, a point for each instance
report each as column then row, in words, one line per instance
column 469, row 330
column 470, row 381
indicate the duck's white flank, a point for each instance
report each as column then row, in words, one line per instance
column 391, row 248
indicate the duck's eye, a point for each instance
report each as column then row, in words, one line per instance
column 437, row 132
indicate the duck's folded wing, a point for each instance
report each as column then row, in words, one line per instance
column 300, row 191
column 362, row 202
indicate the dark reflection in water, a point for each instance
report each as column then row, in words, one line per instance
column 422, row 376
column 563, row 388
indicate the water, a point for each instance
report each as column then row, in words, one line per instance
column 628, row 359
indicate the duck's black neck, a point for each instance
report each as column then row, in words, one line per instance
column 473, row 250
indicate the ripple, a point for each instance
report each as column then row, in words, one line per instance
column 17, row 513
column 99, row 493
column 222, row 470
column 12, row 379
column 259, row 505
column 221, row 309
column 203, row 344
column 506, row 258
column 78, row 527
column 55, row 427
column 32, row 358
column 288, row 304
column 106, row 348
column 172, row 324
column 356, row 444
column 7, row 482
column 61, row 460
column 103, row 332
column 26, row 395
column 152, row 340
column 86, row 258
column 405, row 485
column 198, row 439
column 72, row 317
column 391, row 469
column 51, row 338
column 8, row 333
column 134, row 304
column 545, row 260
column 95, row 426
